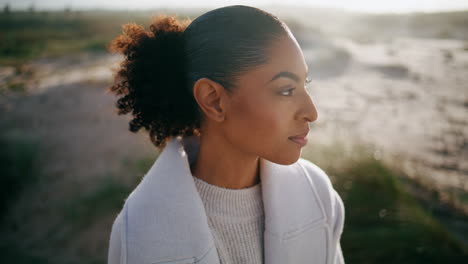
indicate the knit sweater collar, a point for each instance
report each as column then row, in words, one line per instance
column 233, row 204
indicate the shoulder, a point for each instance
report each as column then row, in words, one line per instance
column 317, row 175
column 319, row 179
column 329, row 197
column 117, row 252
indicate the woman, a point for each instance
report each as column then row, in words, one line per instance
column 224, row 97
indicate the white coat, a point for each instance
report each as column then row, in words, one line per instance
column 164, row 221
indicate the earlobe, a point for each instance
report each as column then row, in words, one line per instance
column 208, row 95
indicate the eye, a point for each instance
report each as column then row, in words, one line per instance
column 287, row 92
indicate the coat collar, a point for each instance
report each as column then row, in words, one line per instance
column 167, row 198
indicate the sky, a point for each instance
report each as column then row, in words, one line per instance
column 368, row 6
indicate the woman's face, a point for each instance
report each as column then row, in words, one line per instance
column 271, row 104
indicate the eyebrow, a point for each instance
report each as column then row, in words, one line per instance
column 286, row 74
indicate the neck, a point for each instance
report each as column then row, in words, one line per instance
column 222, row 164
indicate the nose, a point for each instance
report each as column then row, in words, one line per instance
column 308, row 110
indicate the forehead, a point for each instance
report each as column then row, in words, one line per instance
column 284, row 54
column 287, row 51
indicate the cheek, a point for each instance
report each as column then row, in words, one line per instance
column 261, row 127
column 256, row 119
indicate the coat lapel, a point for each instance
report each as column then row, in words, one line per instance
column 294, row 219
column 167, row 198
column 295, row 222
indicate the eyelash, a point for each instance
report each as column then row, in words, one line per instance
column 307, row 81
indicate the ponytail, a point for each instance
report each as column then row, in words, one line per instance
column 152, row 79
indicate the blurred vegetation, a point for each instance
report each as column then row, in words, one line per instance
column 28, row 35
column 18, row 163
column 384, row 223
column 107, row 196
column 18, row 154
column 19, row 169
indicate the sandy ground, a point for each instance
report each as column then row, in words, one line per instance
column 406, row 96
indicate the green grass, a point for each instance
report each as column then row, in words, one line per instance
column 13, row 254
column 18, row 163
column 384, row 223
column 19, row 169
column 108, row 195
column 380, row 214
column 25, row 36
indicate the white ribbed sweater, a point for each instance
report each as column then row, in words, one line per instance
column 236, row 220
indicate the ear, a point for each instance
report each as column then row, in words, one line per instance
column 211, row 97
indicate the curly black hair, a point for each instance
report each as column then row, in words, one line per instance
column 161, row 65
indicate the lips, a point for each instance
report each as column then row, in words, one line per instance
column 300, row 139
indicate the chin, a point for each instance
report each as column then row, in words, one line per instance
column 287, row 158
